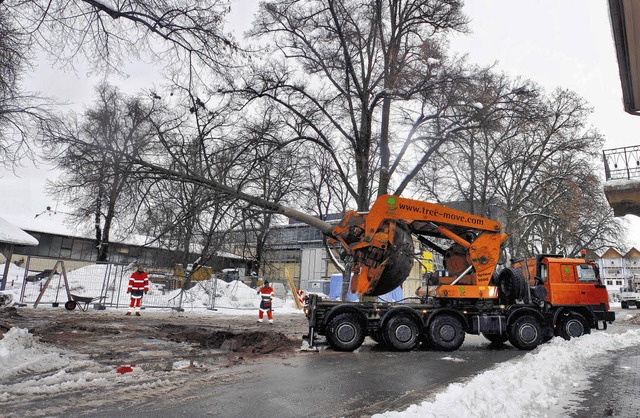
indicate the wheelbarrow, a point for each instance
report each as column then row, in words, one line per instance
column 81, row 302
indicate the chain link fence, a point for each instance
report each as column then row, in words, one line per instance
column 105, row 285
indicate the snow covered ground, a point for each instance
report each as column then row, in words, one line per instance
column 546, row 382
column 556, row 372
column 112, row 281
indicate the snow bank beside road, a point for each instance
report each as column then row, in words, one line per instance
column 23, row 357
column 543, row 383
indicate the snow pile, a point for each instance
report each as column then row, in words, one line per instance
column 537, row 385
column 230, row 295
column 20, row 351
column 112, row 281
column 23, row 355
column 622, row 184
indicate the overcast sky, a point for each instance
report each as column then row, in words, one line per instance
column 564, row 44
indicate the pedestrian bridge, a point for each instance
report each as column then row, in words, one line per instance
column 622, row 186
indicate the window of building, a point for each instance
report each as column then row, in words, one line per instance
column 610, row 282
column 67, row 243
column 618, row 282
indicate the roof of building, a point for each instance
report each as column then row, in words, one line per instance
column 11, row 234
column 611, row 253
column 632, row 253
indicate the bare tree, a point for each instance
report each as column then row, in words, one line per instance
column 109, row 33
column 97, row 180
column 19, row 111
column 535, row 167
column 356, row 58
column 184, row 38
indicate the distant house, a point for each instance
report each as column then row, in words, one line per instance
column 620, row 270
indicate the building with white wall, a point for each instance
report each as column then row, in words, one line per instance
column 619, row 270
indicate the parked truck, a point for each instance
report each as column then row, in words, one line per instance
column 526, row 304
column 629, row 297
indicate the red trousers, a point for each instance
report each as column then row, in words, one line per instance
column 269, row 314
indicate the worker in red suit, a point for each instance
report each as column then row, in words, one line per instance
column 138, row 286
column 266, row 294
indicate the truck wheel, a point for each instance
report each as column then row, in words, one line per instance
column 525, row 333
column 624, row 305
column 512, row 285
column 573, row 326
column 345, row 332
column 496, row 338
column 402, row 333
column 446, row 333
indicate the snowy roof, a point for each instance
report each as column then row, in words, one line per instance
column 11, row 234
column 611, row 253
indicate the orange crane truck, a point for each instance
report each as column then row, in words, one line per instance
column 525, row 304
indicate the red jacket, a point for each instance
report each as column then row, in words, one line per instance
column 138, row 281
column 266, row 293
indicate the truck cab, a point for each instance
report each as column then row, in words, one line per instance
column 570, row 289
column 629, row 297
column 571, row 281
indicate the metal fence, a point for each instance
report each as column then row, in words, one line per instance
column 622, row 163
column 105, row 285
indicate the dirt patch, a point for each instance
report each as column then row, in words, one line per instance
column 257, row 342
column 111, row 337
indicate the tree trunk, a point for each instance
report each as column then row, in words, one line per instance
column 385, row 153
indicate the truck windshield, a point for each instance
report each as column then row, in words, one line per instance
column 586, row 273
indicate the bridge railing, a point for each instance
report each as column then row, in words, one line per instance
column 622, row 163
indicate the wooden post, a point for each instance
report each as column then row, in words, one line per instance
column 46, row 284
column 292, row 287
column 8, row 255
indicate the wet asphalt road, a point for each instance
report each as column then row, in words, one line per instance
column 330, row 384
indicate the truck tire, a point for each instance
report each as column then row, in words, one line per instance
column 345, row 332
column 624, row 305
column 512, row 285
column 496, row 338
column 445, row 333
column 402, row 333
column 573, row 326
column 525, row 333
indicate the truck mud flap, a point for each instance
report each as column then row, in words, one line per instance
column 604, row 317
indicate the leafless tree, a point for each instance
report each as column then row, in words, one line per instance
column 97, row 179
column 19, row 111
column 534, row 166
column 355, row 59
column 183, row 38
column 110, row 33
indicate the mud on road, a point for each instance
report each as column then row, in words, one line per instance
column 112, row 337
column 172, row 352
